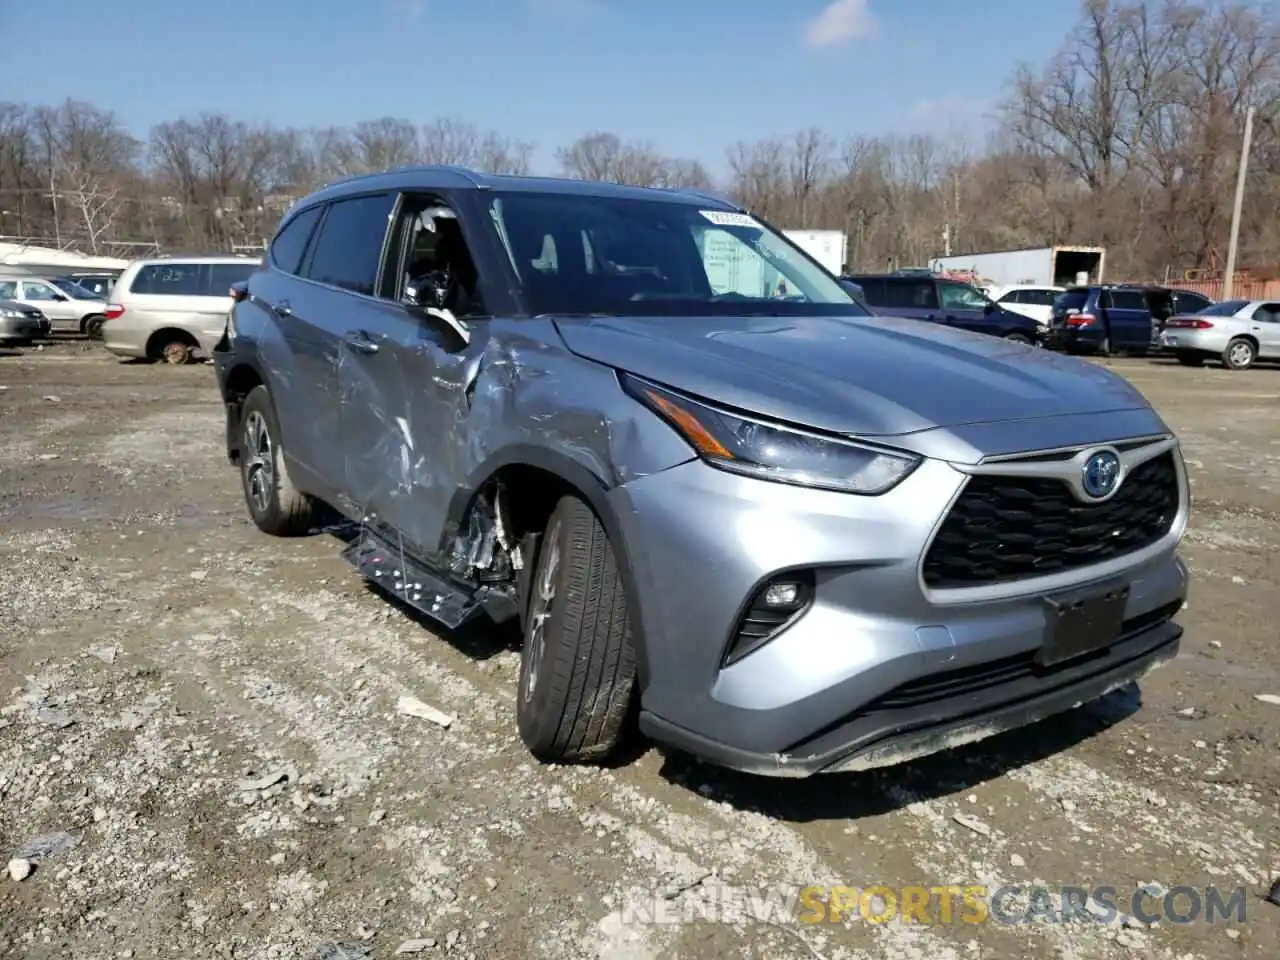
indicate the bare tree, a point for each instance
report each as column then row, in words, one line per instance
column 88, row 156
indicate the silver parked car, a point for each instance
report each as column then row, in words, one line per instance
column 68, row 308
column 172, row 308
column 1236, row 332
column 796, row 537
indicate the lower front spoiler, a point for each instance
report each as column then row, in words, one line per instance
column 883, row 738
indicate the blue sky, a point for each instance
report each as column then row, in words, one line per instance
column 691, row 77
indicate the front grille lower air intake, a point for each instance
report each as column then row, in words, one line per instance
column 1009, row 528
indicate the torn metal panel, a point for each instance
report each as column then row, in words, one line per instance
column 419, row 418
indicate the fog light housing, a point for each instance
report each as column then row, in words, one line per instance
column 776, row 604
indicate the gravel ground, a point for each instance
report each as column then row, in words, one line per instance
column 201, row 753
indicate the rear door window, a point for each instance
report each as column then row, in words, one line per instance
column 172, row 280
column 348, row 250
column 911, row 294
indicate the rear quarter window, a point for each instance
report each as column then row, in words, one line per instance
column 290, row 244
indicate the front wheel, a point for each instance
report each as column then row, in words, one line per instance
column 1239, row 355
column 275, row 505
column 577, row 667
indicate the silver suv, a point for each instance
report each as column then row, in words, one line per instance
column 794, row 536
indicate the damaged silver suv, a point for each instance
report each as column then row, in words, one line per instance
column 793, row 536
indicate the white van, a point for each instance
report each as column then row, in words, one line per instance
column 172, row 308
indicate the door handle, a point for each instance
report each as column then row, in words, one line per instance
column 282, row 309
column 362, row 342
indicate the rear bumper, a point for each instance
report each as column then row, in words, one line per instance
column 895, row 731
column 1193, row 341
column 1074, row 339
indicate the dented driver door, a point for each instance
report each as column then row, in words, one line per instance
column 404, row 382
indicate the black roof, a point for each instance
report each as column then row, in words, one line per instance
column 461, row 178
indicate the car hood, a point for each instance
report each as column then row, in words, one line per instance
column 870, row 376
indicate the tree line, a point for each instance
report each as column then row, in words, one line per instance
column 1128, row 137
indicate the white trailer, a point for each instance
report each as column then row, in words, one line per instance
column 1038, row 266
column 829, row 247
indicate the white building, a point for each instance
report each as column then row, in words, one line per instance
column 48, row 260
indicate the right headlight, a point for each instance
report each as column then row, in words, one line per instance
column 11, row 314
column 772, row 451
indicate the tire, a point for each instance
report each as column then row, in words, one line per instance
column 577, row 666
column 1018, row 338
column 275, row 505
column 1240, row 354
column 176, row 353
column 1191, row 359
column 91, row 326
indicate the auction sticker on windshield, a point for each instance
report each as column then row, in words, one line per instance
column 723, row 218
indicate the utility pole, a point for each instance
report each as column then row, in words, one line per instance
column 1228, row 287
column 946, row 239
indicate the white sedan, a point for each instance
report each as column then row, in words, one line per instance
column 1236, row 332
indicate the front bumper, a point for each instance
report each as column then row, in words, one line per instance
column 874, row 737
column 819, row 694
column 21, row 328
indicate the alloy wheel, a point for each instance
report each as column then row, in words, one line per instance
column 541, row 609
column 260, row 464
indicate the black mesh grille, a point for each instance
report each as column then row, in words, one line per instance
column 1011, row 528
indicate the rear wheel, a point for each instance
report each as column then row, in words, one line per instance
column 1240, row 354
column 275, row 505
column 91, row 326
column 577, row 668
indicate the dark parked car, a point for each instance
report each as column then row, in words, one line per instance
column 922, row 296
column 1116, row 318
column 794, row 536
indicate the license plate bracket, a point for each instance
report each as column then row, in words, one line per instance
column 1083, row 622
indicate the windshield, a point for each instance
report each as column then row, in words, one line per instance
column 73, row 289
column 620, row 256
column 1228, row 308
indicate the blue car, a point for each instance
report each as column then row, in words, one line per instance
column 927, row 297
column 1116, row 318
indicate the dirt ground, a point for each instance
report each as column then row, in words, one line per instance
column 209, row 716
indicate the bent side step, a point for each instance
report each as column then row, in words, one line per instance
column 403, row 577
